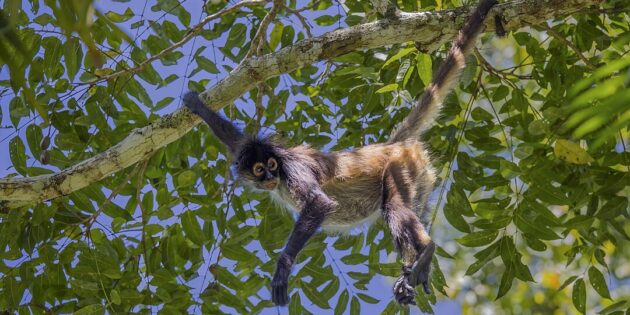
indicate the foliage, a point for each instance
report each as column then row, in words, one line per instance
column 531, row 148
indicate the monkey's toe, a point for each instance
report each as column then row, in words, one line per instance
column 279, row 294
column 404, row 293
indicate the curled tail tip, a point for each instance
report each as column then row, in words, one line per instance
column 192, row 101
column 190, row 97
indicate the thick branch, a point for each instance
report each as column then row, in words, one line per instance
column 429, row 29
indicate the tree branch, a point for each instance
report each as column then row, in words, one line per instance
column 430, row 29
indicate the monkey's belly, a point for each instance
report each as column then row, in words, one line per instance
column 359, row 202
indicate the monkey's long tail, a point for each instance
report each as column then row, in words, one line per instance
column 428, row 106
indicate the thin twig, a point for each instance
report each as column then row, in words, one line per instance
column 143, row 166
column 569, row 44
column 90, row 220
column 259, row 38
column 260, row 109
column 325, row 73
column 490, row 68
column 305, row 25
column 190, row 34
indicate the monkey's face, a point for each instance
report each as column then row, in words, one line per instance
column 265, row 173
column 259, row 165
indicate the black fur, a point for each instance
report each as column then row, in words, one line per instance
column 253, row 149
column 301, row 176
column 223, row 129
column 316, row 206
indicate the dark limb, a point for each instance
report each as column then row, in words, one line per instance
column 411, row 239
column 498, row 26
column 222, row 128
column 315, row 207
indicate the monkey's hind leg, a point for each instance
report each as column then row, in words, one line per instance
column 410, row 237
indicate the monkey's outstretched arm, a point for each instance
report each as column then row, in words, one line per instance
column 315, row 207
column 223, row 129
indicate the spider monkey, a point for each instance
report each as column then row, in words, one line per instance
column 340, row 190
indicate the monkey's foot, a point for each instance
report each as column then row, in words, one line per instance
column 404, row 293
column 421, row 269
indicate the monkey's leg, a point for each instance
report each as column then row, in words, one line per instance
column 411, row 240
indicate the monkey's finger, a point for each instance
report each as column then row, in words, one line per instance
column 403, row 299
column 425, row 286
column 279, row 295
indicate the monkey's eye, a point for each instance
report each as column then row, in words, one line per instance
column 272, row 164
column 258, row 169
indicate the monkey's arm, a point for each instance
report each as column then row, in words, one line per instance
column 315, row 207
column 223, row 129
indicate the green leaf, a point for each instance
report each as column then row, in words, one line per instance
column 163, row 103
column 355, row 306
column 477, row 239
column 567, row 282
column 89, row 310
column 206, row 64
column 119, row 18
column 326, row 20
column 342, row 302
column 295, row 304
column 401, row 53
column 579, row 295
column 367, row 298
column 192, row 228
column 500, row 93
column 596, row 278
column 186, row 178
column 508, row 169
column 354, row 259
column 455, row 218
column 115, row 296
column 483, row 257
column 425, row 68
column 388, row 88
column 34, row 138
column 571, row 152
column 614, row 207
column 276, row 35
column 17, row 152
column 506, row 280
column 73, row 56
column 315, row 297
column 533, row 228
column 615, row 307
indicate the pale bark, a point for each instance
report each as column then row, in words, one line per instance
column 428, row 29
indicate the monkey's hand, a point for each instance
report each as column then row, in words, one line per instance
column 280, row 281
column 192, row 101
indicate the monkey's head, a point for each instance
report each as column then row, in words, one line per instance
column 259, row 163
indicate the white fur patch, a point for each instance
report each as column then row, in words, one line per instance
column 347, row 228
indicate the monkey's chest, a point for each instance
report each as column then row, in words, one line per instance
column 359, row 202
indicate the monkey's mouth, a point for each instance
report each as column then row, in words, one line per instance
column 270, row 184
